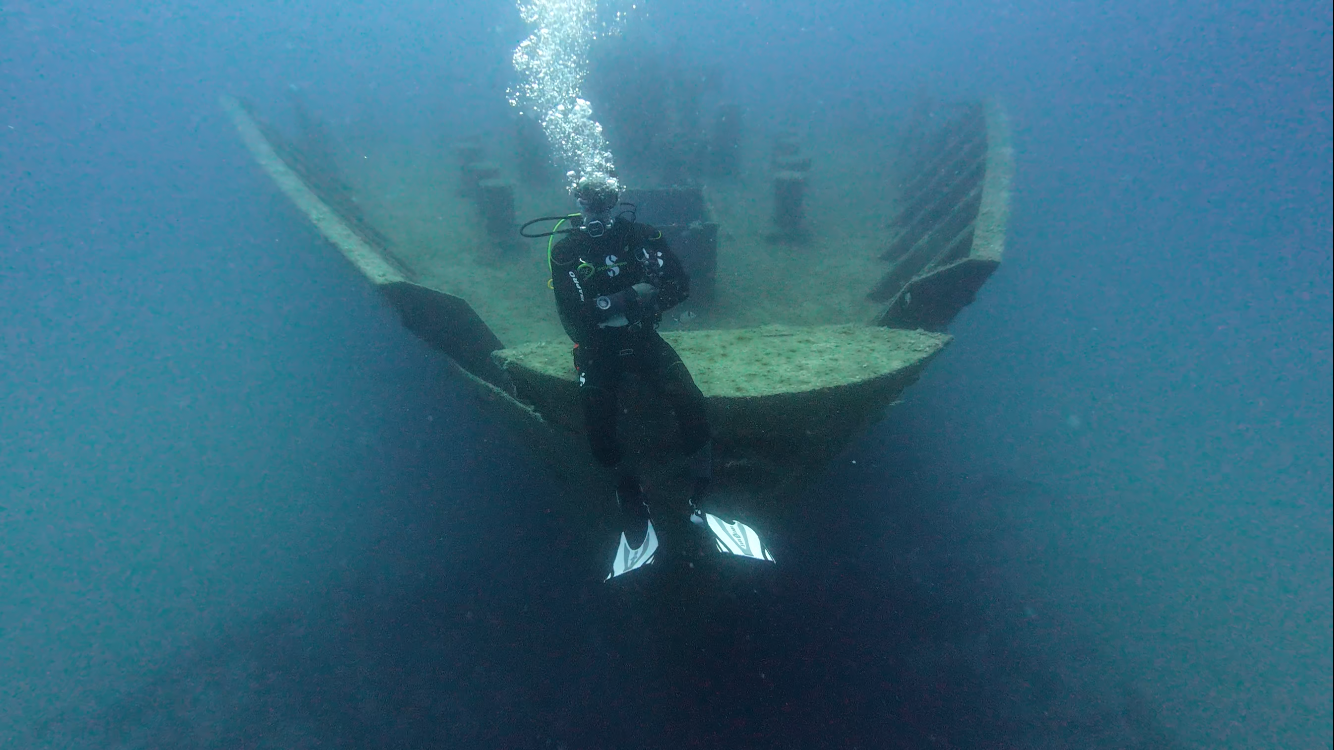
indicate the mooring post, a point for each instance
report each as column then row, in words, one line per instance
column 496, row 198
column 789, row 200
column 468, row 153
column 472, row 175
column 785, row 147
column 793, row 164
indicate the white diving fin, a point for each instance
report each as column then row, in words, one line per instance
column 629, row 558
column 733, row 537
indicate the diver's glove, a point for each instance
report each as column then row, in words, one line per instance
column 647, row 296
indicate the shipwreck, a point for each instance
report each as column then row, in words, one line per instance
column 823, row 279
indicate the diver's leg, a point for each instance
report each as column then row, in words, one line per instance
column 598, row 379
column 701, row 474
column 639, row 541
column 665, row 368
column 598, row 376
column 634, row 509
column 671, row 375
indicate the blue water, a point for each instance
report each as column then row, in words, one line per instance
column 241, row 507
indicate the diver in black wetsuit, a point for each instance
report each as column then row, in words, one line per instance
column 613, row 278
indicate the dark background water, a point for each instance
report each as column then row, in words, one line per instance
column 242, row 507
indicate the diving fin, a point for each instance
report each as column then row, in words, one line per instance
column 630, row 558
column 732, row 537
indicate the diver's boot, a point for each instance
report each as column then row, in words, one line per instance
column 701, row 475
column 639, row 541
column 698, row 490
column 634, row 511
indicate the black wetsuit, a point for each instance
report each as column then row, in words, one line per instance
column 621, row 333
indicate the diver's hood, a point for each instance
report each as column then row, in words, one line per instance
column 597, row 197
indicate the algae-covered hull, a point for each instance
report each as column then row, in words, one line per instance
column 851, row 314
column 781, row 400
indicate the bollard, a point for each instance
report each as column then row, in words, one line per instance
column 792, row 164
column 496, row 198
column 468, row 153
column 471, row 175
column 785, row 147
column 789, row 197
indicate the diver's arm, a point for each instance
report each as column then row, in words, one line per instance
column 632, row 301
column 674, row 282
column 573, row 304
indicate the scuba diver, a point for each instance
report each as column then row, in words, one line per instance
column 613, row 278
